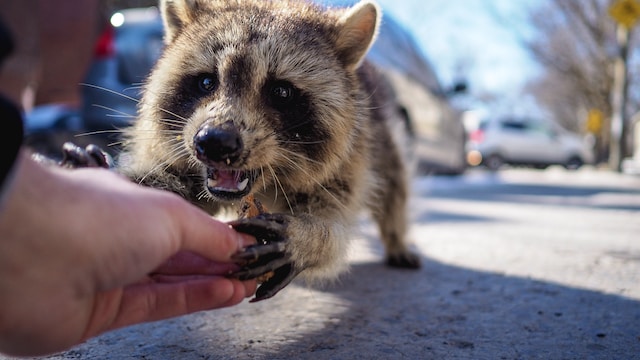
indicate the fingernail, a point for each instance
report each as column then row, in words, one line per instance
column 246, row 240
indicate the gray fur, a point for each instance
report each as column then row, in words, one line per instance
column 318, row 163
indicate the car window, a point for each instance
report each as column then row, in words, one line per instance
column 514, row 126
column 541, row 129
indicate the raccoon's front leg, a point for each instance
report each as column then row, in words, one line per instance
column 288, row 245
column 74, row 156
column 390, row 212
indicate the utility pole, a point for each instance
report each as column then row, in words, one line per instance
column 626, row 13
column 617, row 147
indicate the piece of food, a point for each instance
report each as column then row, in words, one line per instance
column 252, row 207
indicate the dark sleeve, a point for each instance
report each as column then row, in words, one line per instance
column 11, row 134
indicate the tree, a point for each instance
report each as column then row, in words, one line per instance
column 575, row 42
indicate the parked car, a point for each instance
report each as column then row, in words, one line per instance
column 128, row 49
column 526, row 142
column 125, row 52
column 438, row 132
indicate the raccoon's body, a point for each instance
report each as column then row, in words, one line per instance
column 274, row 98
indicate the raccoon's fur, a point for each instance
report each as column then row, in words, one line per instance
column 274, row 98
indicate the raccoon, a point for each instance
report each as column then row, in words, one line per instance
column 275, row 99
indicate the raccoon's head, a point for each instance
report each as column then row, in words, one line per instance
column 254, row 92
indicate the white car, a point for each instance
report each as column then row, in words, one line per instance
column 526, row 142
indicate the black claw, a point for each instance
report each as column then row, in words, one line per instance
column 252, row 272
column 73, row 156
column 269, row 255
column 99, row 157
column 253, row 253
column 266, row 227
column 281, row 278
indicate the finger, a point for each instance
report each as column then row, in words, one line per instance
column 152, row 302
column 189, row 263
column 250, row 285
column 202, row 234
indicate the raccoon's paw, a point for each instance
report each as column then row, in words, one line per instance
column 406, row 260
column 268, row 257
column 74, row 156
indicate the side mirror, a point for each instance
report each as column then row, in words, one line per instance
column 458, row 88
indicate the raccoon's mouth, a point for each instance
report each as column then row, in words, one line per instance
column 229, row 185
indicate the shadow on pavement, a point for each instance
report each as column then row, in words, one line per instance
column 441, row 311
column 438, row 312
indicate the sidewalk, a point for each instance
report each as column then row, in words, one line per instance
column 523, row 266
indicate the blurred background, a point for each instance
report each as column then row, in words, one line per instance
column 486, row 83
column 493, row 92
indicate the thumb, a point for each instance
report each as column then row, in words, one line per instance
column 206, row 236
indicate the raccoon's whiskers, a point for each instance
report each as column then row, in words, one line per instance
column 202, row 194
column 295, row 165
column 171, row 132
column 153, row 134
column 277, row 183
column 303, row 142
column 175, row 152
column 264, row 181
column 297, row 125
column 183, row 119
column 104, row 131
column 110, row 91
column 115, row 112
column 99, row 132
column 178, row 122
column 173, row 155
column 300, row 156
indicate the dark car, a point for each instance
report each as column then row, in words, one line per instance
column 124, row 55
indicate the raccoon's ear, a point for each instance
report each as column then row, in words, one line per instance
column 176, row 14
column 357, row 30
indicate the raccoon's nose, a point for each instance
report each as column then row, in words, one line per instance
column 220, row 144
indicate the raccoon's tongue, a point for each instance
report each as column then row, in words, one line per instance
column 227, row 180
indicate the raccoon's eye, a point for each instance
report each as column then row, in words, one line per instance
column 207, row 83
column 282, row 94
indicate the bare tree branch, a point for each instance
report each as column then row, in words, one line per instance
column 576, row 45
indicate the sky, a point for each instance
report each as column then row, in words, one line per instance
column 471, row 40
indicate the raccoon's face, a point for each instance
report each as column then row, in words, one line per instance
column 260, row 93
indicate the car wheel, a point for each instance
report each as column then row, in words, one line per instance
column 574, row 163
column 494, row 162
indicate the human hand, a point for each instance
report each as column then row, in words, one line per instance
column 86, row 251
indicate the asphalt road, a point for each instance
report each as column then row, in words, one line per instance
column 522, row 264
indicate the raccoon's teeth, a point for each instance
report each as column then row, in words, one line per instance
column 212, row 183
column 243, row 184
